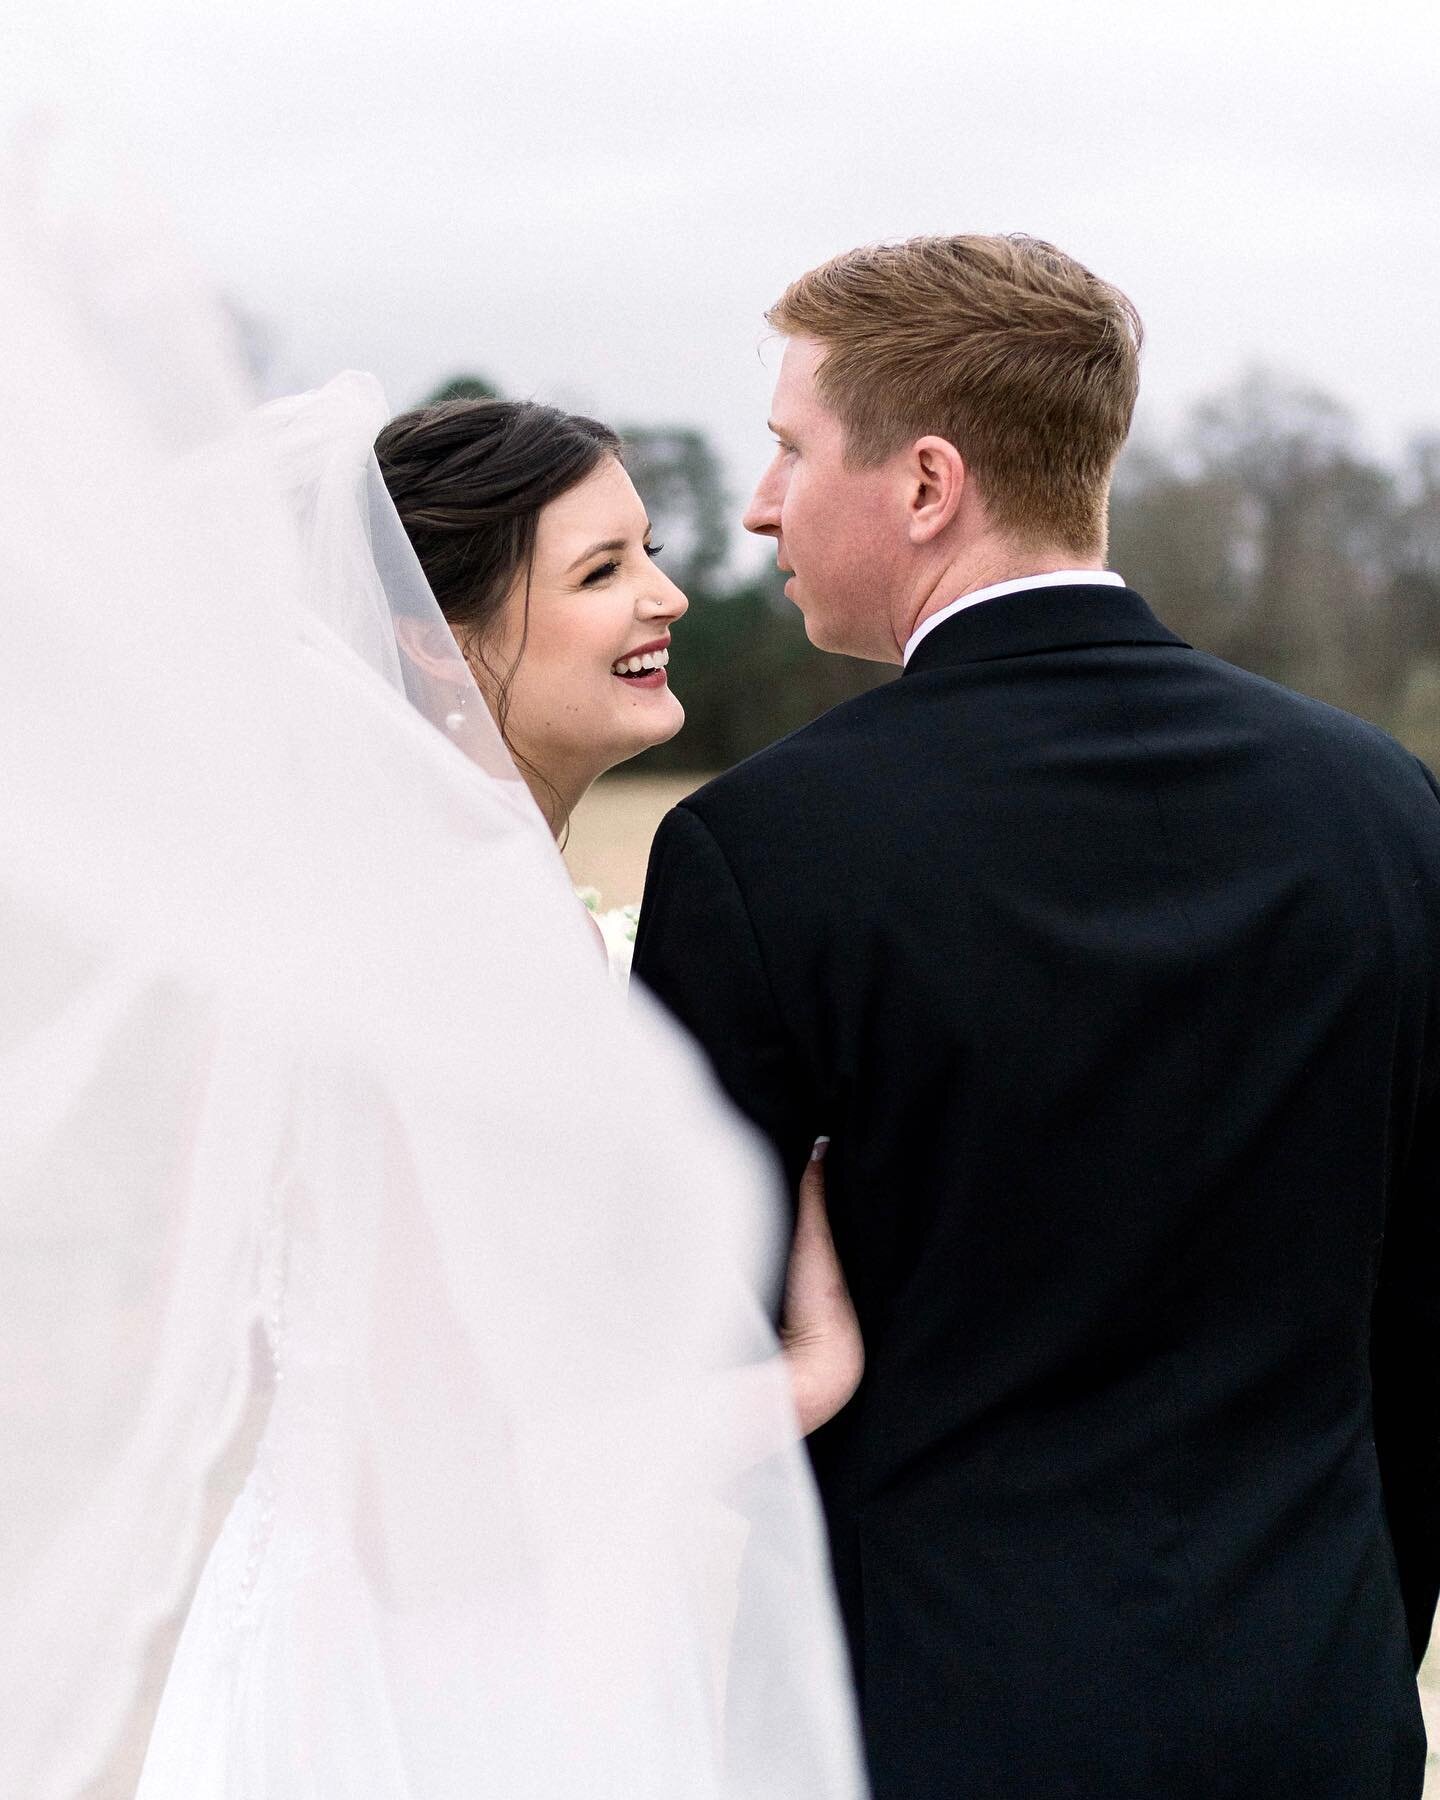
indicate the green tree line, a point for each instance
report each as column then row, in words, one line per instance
column 1260, row 530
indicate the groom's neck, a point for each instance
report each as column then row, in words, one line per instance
column 980, row 566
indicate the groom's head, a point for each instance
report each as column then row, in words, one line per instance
column 947, row 408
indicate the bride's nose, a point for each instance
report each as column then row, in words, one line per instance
column 663, row 600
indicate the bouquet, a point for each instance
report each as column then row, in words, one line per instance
column 617, row 927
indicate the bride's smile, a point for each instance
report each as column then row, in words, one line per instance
column 645, row 665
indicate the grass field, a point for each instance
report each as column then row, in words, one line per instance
column 612, row 827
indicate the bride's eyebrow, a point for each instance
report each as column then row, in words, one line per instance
column 607, row 547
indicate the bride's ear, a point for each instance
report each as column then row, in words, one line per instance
column 431, row 647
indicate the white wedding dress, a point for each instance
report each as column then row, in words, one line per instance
column 332, row 1165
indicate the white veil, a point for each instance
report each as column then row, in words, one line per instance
column 322, row 1129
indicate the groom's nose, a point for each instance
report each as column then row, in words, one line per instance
column 762, row 515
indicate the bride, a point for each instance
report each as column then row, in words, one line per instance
column 331, row 1158
column 535, row 546
column 539, row 554
column 541, row 560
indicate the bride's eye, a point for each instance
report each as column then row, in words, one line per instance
column 606, row 569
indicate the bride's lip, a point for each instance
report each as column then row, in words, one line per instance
column 650, row 679
column 661, row 643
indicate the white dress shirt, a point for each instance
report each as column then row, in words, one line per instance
column 1060, row 578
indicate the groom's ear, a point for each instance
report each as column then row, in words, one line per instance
column 936, row 479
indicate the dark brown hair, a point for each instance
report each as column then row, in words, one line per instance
column 469, row 479
column 1004, row 346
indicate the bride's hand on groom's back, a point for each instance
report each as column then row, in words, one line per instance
column 820, row 1333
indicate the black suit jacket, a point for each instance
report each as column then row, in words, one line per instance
column 1114, row 974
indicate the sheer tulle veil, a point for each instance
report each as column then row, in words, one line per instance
column 331, row 1163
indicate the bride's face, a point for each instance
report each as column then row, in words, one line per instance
column 597, row 603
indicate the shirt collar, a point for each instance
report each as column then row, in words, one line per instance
column 1060, row 578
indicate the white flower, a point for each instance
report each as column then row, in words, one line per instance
column 618, row 928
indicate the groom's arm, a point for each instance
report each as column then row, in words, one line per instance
column 698, row 951
column 1405, row 1348
column 1405, row 1377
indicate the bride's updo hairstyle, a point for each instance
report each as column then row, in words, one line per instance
column 469, row 479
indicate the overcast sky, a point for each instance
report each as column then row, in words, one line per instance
column 594, row 203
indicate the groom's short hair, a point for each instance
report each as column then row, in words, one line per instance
column 1004, row 346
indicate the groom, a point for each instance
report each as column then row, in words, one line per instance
column 1114, row 975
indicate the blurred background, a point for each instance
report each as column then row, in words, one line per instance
column 593, row 204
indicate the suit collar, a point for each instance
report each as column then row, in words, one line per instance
column 1040, row 619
